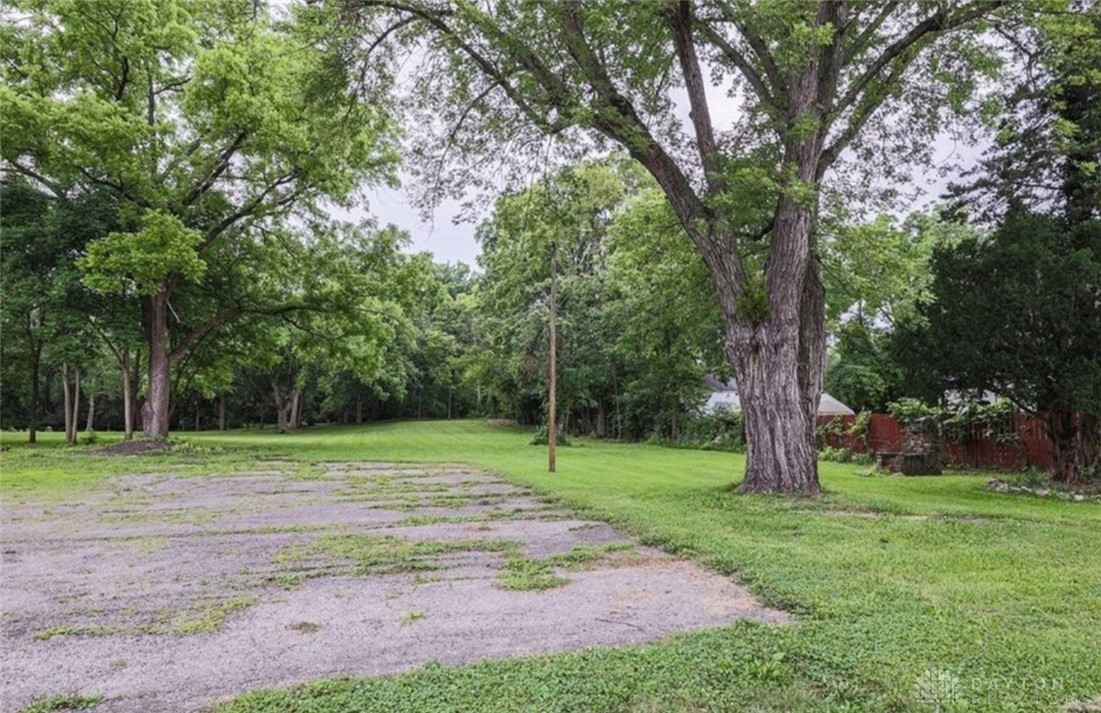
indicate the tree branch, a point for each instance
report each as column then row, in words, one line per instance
column 216, row 172
column 52, row 186
column 899, row 55
column 735, row 57
column 938, row 22
column 680, row 22
column 772, row 72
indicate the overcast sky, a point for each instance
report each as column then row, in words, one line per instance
column 449, row 241
column 440, row 236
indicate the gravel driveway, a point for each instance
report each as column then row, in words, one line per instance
column 167, row 593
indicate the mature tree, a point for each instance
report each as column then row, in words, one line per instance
column 1047, row 151
column 567, row 214
column 46, row 312
column 638, row 323
column 811, row 77
column 1017, row 314
column 358, row 297
column 666, row 327
column 205, row 120
column 877, row 274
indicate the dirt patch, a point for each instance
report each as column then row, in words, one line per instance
column 137, row 447
column 208, row 587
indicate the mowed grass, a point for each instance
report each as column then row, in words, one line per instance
column 911, row 594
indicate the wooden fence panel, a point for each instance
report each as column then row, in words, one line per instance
column 1030, row 448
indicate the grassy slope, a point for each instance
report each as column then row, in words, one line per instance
column 891, row 577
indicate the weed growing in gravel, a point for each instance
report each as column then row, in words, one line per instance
column 529, row 574
column 75, row 630
column 304, row 627
column 411, row 616
column 206, row 618
column 64, row 702
column 372, row 554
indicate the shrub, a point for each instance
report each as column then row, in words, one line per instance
column 833, row 428
column 835, row 455
column 542, row 437
column 907, row 411
column 722, row 429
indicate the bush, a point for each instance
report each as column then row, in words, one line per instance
column 907, row 411
column 722, row 429
column 844, row 455
column 542, row 437
column 832, row 428
column 835, row 455
column 859, row 427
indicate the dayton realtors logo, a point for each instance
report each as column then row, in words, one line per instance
column 943, row 691
column 938, row 689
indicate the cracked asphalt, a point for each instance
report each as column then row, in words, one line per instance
column 168, row 593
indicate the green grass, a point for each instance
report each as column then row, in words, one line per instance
column 374, row 554
column 208, row 618
column 530, row 574
column 525, row 574
column 895, row 581
column 66, row 702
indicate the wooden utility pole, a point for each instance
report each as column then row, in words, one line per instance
column 552, row 416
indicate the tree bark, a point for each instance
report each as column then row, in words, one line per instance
column 89, row 424
column 36, row 361
column 67, row 399
column 127, row 396
column 286, row 410
column 552, row 390
column 778, row 361
column 71, row 402
column 781, row 455
column 76, row 407
column 155, row 411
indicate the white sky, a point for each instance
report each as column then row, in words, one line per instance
column 449, row 241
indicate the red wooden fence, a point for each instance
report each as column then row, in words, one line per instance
column 1030, row 448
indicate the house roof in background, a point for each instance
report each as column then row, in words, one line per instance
column 725, row 394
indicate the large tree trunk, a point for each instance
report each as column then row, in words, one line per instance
column 286, row 410
column 781, row 455
column 155, row 411
column 778, row 363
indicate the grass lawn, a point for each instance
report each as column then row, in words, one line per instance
column 912, row 594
